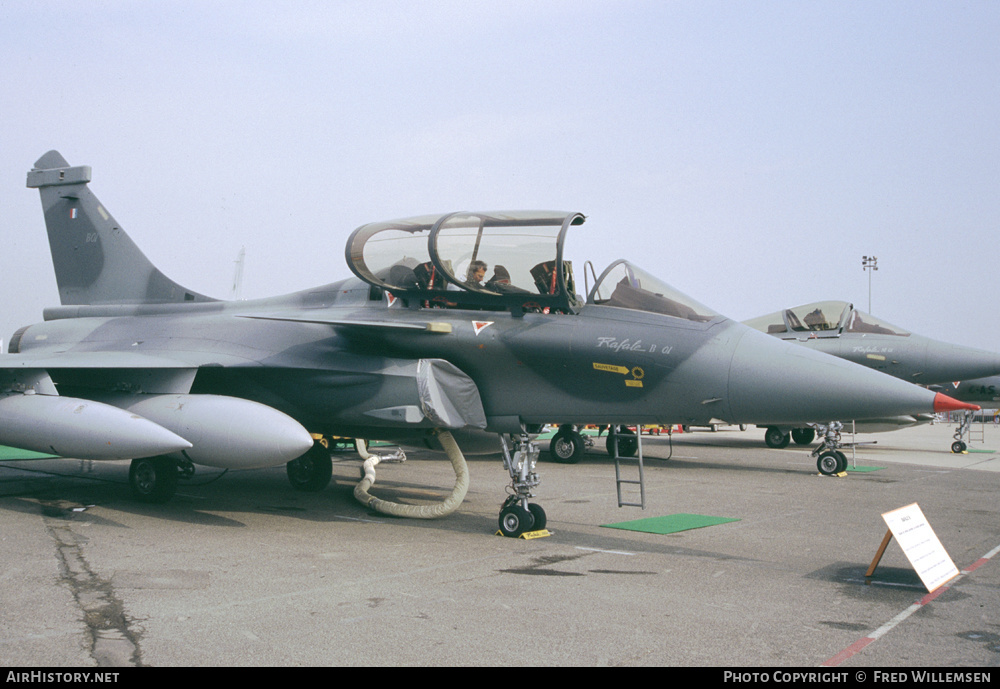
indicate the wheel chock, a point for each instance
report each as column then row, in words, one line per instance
column 529, row 535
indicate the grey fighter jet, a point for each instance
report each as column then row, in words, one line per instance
column 980, row 390
column 837, row 328
column 454, row 327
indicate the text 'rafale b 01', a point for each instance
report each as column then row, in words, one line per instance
column 455, row 326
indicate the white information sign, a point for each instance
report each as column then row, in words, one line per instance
column 921, row 546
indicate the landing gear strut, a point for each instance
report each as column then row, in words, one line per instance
column 517, row 514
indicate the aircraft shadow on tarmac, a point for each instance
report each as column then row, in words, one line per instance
column 57, row 487
column 230, row 500
column 69, row 490
column 55, row 492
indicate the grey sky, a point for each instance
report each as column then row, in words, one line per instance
column 748, row 153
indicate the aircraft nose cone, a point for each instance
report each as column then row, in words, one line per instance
column 947, row 362
column 944, row 403
column 772, row 382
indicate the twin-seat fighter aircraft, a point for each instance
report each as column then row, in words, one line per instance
column 837, row 328
column 455, row 327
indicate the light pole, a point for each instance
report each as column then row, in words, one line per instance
column 869, row 263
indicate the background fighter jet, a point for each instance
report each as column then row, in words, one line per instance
column 421, row 346
column 982, row 391
column 837, row 328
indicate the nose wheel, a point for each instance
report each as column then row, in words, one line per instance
column 830, row 460
column 516, row 519
column 831, row 463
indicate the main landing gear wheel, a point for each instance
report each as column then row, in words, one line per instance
column 831, row 463
column 628, row 445
column 958, row 447
column 566, row 446
column 803, row 436
column 312, row 471
column 153, row 479
column 774, row 438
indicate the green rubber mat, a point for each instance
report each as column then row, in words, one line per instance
column 862, row 470
column 983, row 452
column 671, row 523
column 11, row 453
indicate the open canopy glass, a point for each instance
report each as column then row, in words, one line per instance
column 508, row 259
column 500, row 260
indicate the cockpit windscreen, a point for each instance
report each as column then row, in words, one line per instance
column 862, row 322
column 629, row 287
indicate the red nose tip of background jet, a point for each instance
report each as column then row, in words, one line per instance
column 945, row 403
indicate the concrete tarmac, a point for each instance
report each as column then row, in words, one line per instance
column 239, row 569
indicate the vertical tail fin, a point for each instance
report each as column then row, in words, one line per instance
column 95, row 261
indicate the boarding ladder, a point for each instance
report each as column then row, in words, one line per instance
column 619, row 481
column 967, row 432
column 977, row 431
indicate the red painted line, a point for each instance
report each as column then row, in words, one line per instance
column 848, row 652
column 976, row 565
column 858, row 645
column 934, row 594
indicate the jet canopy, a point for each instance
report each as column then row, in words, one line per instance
column 498, row 260
column 629, row 287
column 824, row 319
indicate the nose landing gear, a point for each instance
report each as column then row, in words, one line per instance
column 961, row 433
column 518, row 516
column 831, row 461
